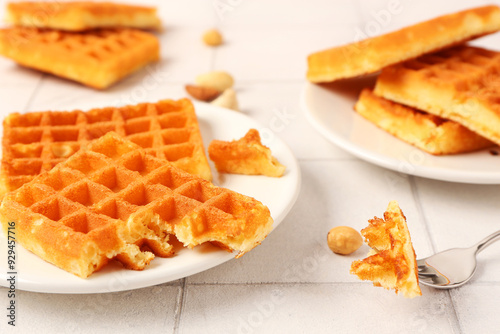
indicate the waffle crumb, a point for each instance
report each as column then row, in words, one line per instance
column 245, row 156
column 391, row 262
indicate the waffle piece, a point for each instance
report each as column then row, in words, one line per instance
column 425, row 131
column 35, row 142
column 391, row 263
column 81, row 15
column 460, row 84
column 96, row 58
column 111, row 200
column 245, row 156
column 373, row 54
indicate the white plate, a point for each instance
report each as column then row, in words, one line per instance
column 329, row 108
column 279, row 194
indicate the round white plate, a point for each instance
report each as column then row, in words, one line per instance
column 279, row 194
column 329, row 108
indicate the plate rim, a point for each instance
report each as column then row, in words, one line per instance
column 487, row 178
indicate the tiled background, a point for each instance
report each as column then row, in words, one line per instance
column 291, row 283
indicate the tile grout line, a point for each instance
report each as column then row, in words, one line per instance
column 273, row 283
column 420, row 210
column 454, row 319
column 34, row 93
column 180, row 306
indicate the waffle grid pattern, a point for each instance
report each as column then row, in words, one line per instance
column 112, row 183
column 36, row 142
column 101, row 44
column 96, row 58
column 470, row 70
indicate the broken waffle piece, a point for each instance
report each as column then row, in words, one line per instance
column 96, row 58
column 372, row 54
column 428, row 132
column 35, row 142
column 391, row 263
column 245, row 156
column 81, row 15
column 111, row 198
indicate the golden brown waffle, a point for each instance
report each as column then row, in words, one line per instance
column 460, row 84
column 81, row 15
column 111, row 200
column 393, row 264
column 373, row 54
column 428, row 132
column 245, row 156
column 35, row 142
column 96, row 58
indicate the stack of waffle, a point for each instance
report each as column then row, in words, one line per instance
column 84, row 188
column 434, row 91
column 93, row 43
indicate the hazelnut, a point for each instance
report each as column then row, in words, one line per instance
column 212, row 37
column 344, row 240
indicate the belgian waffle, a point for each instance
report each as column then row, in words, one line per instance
column 373, row 54
column 245, row 156
column 425, row 131
column 35, row 142
column 460, row 84
column 96, row 58
column 81, row 15
column 393, row 264
column 111, row 200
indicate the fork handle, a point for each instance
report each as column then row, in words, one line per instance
column 487, row 241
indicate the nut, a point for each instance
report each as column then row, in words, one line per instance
column 217, row 79
column 344, row 240
column 205, row 94
column 227, row 100
column 212, row 37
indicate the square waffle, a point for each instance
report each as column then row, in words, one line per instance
column 373, row 54
column 35, row 142
column 460, row 84
column 111, row 200
column 428, row 132
column 96, row 58
column 80, row 15
column 392, row 262
column 245, row 156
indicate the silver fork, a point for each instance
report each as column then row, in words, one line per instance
column 453, row 267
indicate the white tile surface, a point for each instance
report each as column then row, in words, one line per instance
column 323, row 308
column 145, row 310
column 387, row 15
column 278, row 52
column 279, row 12
column 275, row 106
column 477, row 307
